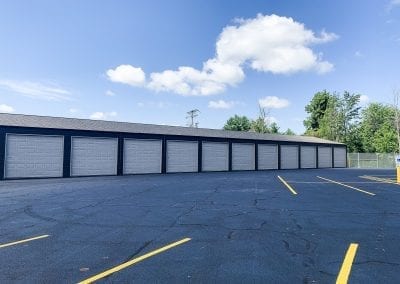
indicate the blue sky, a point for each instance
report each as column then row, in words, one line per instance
column 152, row 61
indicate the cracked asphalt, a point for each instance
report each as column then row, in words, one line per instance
column 246, row 227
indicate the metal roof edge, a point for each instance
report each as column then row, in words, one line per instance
column 68, row 123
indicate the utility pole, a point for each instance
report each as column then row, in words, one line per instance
column 396, row 95
column 191, row 116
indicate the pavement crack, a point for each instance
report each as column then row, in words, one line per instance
column 256, row 200
column 230, row 235
column 139, row 250
column 327, row 273
column 28, row 211
column 376, row 262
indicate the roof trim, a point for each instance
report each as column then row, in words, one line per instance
column 48, row 122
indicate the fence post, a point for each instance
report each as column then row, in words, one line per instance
column 377, row 160
column 358, row 160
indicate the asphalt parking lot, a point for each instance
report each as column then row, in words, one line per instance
column 203, row 228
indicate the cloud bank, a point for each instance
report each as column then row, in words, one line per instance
column 99, row 115
column 6, row 108
column 266, row 43
column 49, row 92
column 273, row 102
column 221, row 104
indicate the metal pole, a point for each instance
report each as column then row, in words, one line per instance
column 377, row 160
column 358, row 160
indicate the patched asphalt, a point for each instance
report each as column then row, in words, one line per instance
column 244, row 227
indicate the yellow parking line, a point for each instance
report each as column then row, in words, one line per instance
column 322, row 182
column 133, row 261
column 287, row 185
column 23, row 241
column 344, row 272
column 382, row 180
column 349, row 186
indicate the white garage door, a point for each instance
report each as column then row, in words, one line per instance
column 182, row 156
column 289, row 157
column 267, row 157
column 34, row 156
column 308, row 156
column 215, row 156
column 142, row 156
column 324, row 157
column 339, row 154
column 93, row 156
column 243, row 157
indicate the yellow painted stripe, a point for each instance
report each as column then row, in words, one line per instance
column 23, row 241
column 382, row 180
column 133, row 261
column 348, row 186
column 323, row 182
column 287, row 185
column 344, row 272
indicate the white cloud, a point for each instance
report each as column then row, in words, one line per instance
column 392, row 4
column 191, row 82
column 102, row 115
column 364, row 99
column 110, row 93
column 273, row 44
column 37, row 90
column 6, row 108
column 266, row 43
column 152, row 104
column 273, row 102
column 271, row 119
column 73, row 110
column 127, row 74
column 221, row 104
column 358, row 54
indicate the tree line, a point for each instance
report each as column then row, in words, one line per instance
column 339, row 117
column 374, row 128
column 262, row 124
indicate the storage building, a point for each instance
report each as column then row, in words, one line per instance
column 40, row 146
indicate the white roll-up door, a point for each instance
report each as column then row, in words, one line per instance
column 92, row 156
column 289, row 157
column 267, row 156
column 182, row 156
column 243, row 156
column 34, row 156
column 142, row 156
column 215, row 156
column 308, row 156
column 324, row 157
column 339, row 154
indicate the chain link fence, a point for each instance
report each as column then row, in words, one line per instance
column 371, row 160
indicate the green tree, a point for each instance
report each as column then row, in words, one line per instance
column 334, row 117
column 396, row 99
column 377, row 128
column 260, row 123
column 340, row 118
column 316, row 110
column 238, row 123
column 349, row 113
column 289, row 132
column 354, row 142
column 385, row 139
column 329, row 123
column 274, row 128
